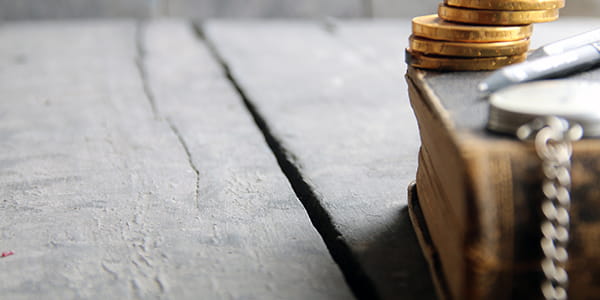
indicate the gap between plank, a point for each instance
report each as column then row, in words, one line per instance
column 360, row 284
column 141, row 55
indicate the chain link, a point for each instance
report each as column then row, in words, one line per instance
column 553, row 139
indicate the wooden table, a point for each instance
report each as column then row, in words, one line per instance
column 228, row 160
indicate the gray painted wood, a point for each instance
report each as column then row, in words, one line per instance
column 336, row 104
column 116, row 187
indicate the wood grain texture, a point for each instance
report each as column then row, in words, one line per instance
column 336, row 109
column 115, row 185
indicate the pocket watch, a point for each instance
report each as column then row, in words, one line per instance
column 552, row 114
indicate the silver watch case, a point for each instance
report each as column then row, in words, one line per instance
column 576, row 101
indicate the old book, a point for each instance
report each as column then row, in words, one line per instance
column 479, row 196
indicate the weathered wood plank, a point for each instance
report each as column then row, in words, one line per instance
column 347, row 138
column 265, row 8
column 382, row 44
column 240, row 188
column 106, row 196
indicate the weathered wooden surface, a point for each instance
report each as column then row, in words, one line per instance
column 335, row 109
column 135, row 172
column 131, row 168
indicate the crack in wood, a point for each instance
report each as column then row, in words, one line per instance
column 354, row 273
column 139, row 61
column 141, row 54
column 189, row 158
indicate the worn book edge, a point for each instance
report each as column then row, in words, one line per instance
column 429, row 250
column 488, row 241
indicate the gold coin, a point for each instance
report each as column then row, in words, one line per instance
column 496, row 17
column 442, row 63
column 434, row 28
column 508, row 4
column 433, row 47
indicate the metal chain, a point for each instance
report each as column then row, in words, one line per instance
column 553, row 139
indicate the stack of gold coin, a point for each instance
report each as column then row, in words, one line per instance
column 474, row 35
